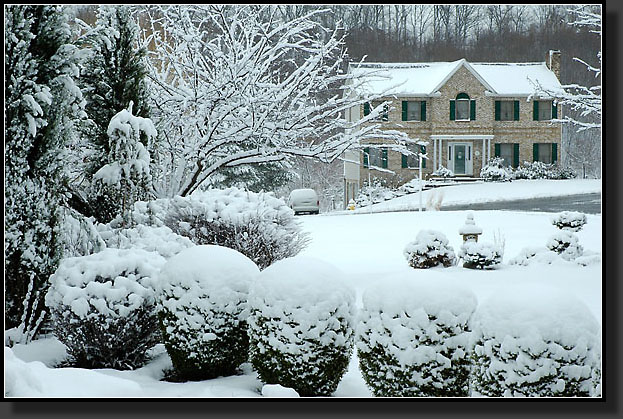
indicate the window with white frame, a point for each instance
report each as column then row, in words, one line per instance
column 545, row 110
column 462, row 109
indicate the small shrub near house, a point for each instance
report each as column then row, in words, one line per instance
column 258, row 225
column 566, row 244
column 429, row 249
column 443, row 172
column 202, row 303
column 540, row 170
column 495, row 171
column 569, row 220
column 535, row 343
column 103, row 307
column 478, row 255
column 413, row 338
column 301, row 326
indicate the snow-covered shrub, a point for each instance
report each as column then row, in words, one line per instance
column 429, row 249
column 413, row 338
column 80, row 236
column 569, row 220
column 478, row 255
column 103, row 308
column 373, row 194
column 443, row 172
column 161, row 240
column 529, row 255
column 535, row 342
column 301, row 325
column 258, row 225
column 495, row 171
column 411, row 186
column 540, row 170
column 566, row 244
column 202, row 302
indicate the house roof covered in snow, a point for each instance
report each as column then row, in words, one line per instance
column 425, row 79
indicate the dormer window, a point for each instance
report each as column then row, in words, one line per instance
column 462, row 108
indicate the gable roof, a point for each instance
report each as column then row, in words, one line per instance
column 424, row 79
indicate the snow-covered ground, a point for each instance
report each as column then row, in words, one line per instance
column 368, row 248
column 471, row 193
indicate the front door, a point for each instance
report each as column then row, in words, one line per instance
column 460, row 158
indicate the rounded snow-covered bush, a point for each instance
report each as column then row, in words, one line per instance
column 258, row 225
column 202, row 302
column 535, row 342
column 569, row 220
column 478, row 255
column 443, row 172
column 429, row 249
column 301, row 325
column 103, row 308
column 566, row 244
column 413, row 338
column 495, row 171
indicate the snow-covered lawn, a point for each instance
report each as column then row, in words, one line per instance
column 470, row 193
column 368, row 248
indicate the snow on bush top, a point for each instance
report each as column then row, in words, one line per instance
column 537, row 315
column 112, row 282
column 232, row 204
column 302, row 282
column 426, row 240
column 205, row 276
column 410, row 294
column 161, row 240
column 569, row 220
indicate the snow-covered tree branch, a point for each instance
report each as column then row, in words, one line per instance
column 585, row 101
column 223, row 98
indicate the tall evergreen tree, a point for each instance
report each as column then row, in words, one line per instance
column 114, row 76
column 42, row 104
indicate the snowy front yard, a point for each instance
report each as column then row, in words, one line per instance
column 368, row 249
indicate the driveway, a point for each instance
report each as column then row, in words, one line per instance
column 586, row 203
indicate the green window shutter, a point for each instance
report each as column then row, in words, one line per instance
column 366, row 153
column 366, row 109
column 405, row 161
column 516, row 155
column 472, row 110
column 452, row 110
column 496, row 147
column 384, row 158
column 385, row 116
column 535, row 152
column 405, row 104
column 554, row 152
column 423, row 151
column 497, row 110
column 554, row 111
column 535, row 110
column 516, row 110
column 423, row 110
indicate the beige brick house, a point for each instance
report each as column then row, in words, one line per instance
column 466, row 112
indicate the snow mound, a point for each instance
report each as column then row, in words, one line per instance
column 566, row 244
column 202, row 299
column 535, row 342
column 413, row 337
column 276, row 390
column 301, row 325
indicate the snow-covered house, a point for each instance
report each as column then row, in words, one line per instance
column 467, row 112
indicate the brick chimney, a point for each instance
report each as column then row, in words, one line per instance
column 552, row 60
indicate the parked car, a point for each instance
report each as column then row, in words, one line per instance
column 304, row 200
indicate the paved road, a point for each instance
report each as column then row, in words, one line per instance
column 586, row 203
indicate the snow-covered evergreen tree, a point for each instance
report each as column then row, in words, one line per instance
column 125, row 178
column 42, row 105
column 113, row 76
